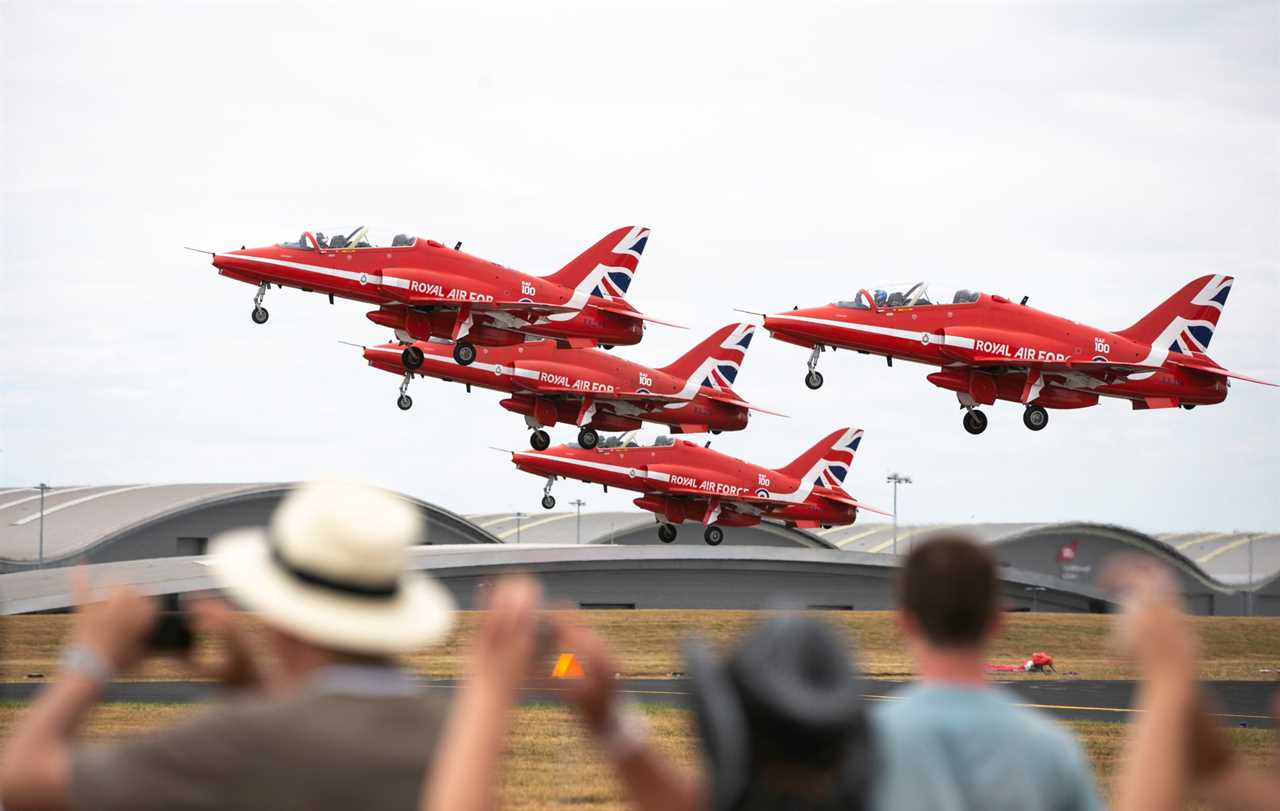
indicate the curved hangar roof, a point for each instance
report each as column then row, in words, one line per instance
column 135, row 521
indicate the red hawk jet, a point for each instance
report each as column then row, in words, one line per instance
column 592, row 389
column 682, row 481
column 988, row 348
column 425, row 290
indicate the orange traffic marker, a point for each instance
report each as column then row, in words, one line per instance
column 567, row 667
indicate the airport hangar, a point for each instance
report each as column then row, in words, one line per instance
column 155, row 536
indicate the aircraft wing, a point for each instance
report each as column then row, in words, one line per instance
column 734, row 401
column 629, row 313
column 518, row 307
column 841, row 497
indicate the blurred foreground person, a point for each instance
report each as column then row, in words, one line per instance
column 1174, row 750
column 342, row 728
column 781, row 722
column 952, row 740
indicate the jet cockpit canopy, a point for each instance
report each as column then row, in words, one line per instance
column 336, row 238
column 908, row 294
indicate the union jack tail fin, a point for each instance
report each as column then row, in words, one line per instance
column 606, row 268
column 828, row 462
column 1185, row 322
column 715, row 362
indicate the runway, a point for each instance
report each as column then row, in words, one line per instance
column 1237, row 703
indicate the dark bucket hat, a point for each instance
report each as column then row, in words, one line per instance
column 786, row 700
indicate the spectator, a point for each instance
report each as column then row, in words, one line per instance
column 343, row 729
column 1174, row 748
column 781, row 722
column 952, row 740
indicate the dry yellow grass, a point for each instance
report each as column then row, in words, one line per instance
column 551, row 764
column 647, row 643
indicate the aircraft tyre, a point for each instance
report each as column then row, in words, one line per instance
column 412, row 357
column 588, row 437
column 713, row 535
column 464, row 353
column 1035, row 417
column 975, row 422
column 548, row 502
column 260, row 315
column 540, row 440
column 666, row 532
column 404, row 402
column 606, row 346
column 813, row 380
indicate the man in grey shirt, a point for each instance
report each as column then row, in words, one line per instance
column 340, row 727
column 952, row 740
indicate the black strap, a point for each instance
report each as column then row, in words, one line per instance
column 341, row 586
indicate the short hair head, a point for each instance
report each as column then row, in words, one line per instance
column 948, row 587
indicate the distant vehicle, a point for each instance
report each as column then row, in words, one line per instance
column 425, row 290
column 595, row 390
column 682, row 481
column 991, row 349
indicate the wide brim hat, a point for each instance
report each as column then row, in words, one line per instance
column 331, row 569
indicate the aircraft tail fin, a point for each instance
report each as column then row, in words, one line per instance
column 1185, row 322
column 827, row 463
column 605, row 270
column 716, row 361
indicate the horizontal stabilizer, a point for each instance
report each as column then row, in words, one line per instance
column 734, row 401
column 1202, row 364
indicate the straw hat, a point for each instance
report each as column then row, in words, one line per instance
column 331, row 569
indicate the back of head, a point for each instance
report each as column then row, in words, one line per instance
column 782, row 720
column 948, row 588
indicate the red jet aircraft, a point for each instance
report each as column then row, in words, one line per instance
column 426, row 290
column 991, row 349
column 592, row 389
column 681, row 481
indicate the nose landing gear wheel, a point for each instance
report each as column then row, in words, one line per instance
column 464, row 353
column 666, row 533
column 405, row 402
column 412, row 357
column 588, row 437
column 813, row 380
column 260, row 315
column 713, row 535
column 1035, row 417
column 540, row 440
column 548, row 502
column 975, row 422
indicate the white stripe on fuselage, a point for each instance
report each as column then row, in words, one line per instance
column 795, row 497
column 349, row 275
column 892, row 332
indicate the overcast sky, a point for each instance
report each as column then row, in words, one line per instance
column 1094, row 157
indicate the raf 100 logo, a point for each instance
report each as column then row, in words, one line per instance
column 527, row 289
column 1100, row 345
column 645, row 380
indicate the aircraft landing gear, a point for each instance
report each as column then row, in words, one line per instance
column 814, row 378
column 412, row 357
column 1188, row 406
column 464, row 352
column 975, row 422
column 404, row 401
column 666, row 532
column 260, row 314
column 540, row 440
column 548, row 500
column 1035, row 417
column 713, row 535
column 588, row 437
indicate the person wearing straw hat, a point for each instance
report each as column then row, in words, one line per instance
column 341, row 726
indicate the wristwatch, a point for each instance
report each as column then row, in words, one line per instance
column 82, row 659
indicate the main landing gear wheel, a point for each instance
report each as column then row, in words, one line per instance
column 813, row 380
column 713, row 535
column 540, row 440
column 405, row 402
column 548, row 502
column 588, row 437
column 1035, row 417
column 975, row 422
column 464, row 353
column 260, row 315
column 666, row 532
column 412, row 357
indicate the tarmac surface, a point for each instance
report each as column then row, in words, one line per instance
column 1237, row 703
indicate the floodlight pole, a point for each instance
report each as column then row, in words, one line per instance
column 579, row 503
column 1250, row 611
column 896, row 479
column 42, row 487
column 519, row 515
